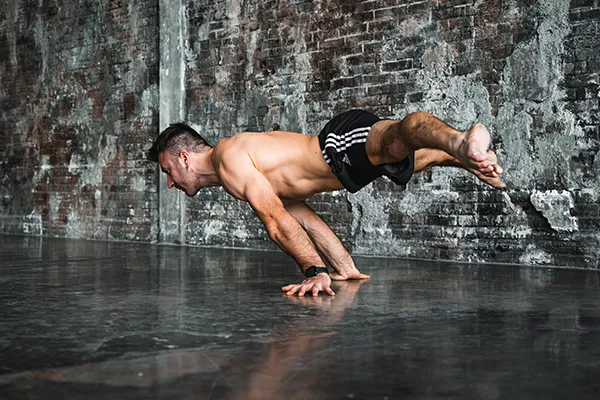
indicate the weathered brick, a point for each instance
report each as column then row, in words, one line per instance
column 64, row 132
column 581, row 3
column 280, row 59
column 400, row 65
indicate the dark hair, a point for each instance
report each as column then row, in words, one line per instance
column 175, row 138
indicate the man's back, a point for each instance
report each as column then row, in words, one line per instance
column 292, row 163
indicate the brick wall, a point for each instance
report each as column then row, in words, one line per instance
column 527, row 69
column 78, row 101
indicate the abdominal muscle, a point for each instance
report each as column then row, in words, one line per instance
column 292, row 163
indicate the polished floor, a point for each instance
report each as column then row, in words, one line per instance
column 102, row 320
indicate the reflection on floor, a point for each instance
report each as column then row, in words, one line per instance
column 100, row 320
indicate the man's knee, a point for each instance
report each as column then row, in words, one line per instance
column 411, row 123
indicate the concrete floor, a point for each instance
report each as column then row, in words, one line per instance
column 99, row 320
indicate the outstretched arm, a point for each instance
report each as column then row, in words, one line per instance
column 326, row 242
column 241, row 179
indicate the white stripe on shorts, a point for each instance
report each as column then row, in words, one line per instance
column 345, row 141
column 346, row 145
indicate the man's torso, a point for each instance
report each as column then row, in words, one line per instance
column 292, row 163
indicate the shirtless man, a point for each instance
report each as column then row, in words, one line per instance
column 276, row 171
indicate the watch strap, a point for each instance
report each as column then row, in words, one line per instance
column 314, row 270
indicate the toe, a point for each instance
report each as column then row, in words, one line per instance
column 484, row 166
column 477, row 156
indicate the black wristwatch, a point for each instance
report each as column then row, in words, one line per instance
column 314, row 270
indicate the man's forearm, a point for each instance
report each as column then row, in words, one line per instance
column 287, row 233
column 329, row 245
column 325, row 240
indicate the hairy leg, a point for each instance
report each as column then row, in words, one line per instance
column 428, row 158
column 391, row 141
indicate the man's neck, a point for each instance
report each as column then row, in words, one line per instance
column 204, row 167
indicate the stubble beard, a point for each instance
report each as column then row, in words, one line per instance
column 194, row 188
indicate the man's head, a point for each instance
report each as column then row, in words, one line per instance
column 175, row 150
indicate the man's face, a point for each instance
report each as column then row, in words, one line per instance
column 178, row 173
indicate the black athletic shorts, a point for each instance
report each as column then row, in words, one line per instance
column 342, row 143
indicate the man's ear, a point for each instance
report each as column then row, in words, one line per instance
column 184, row 156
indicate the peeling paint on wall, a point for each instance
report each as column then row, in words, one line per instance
column 555, row 206
column 502, row 64
column 32, row 224
column 87, row 80
column 78, row 102
column 533, row 256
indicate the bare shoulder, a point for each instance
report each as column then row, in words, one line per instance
column 233, row 164
column 236, row 145
column 246, row 146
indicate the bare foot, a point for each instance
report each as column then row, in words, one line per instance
column 473, row 152
column 492, row 179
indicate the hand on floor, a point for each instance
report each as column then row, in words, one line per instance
column 314, row 284
column 348, row 273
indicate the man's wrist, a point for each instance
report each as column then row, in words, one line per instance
column 315, row 270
